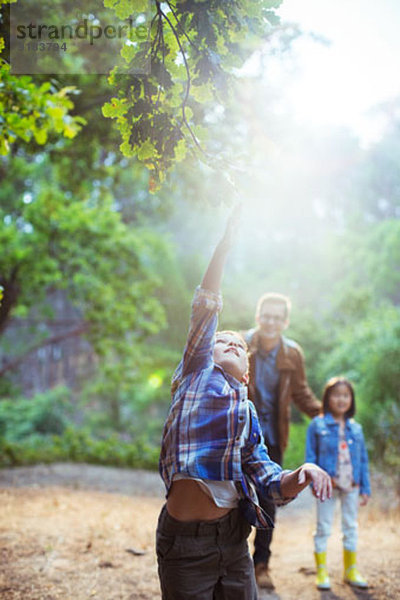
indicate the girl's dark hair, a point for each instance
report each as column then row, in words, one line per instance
column 330, row 386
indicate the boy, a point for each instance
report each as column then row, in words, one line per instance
column 212, row 454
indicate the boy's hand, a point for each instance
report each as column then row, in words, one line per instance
column 212, row 277
column 232, row 226
column 322, row 483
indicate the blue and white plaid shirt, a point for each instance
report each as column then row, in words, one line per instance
column 202, row 435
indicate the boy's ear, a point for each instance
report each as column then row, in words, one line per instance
column 245, row 379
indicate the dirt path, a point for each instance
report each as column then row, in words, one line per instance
column 79, row 532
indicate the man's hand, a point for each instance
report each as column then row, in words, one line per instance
column 322, row 483
column 364, row 499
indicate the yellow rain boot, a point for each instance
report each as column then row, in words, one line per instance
column 322, row 580
column 352, row 575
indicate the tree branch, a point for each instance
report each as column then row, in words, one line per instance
column 10, row 296
column 13, row 364
column 182, row 28
column 188, row 83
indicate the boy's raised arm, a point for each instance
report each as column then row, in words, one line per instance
column 213, row 275
column 204, row 318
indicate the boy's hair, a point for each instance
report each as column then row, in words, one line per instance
column 330, row 386
column 274, row 298
column 231, row 332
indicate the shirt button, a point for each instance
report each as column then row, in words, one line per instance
column 254, row 435
column 241, row 418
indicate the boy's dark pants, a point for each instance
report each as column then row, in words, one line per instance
column 205, row 560
column 263, row 538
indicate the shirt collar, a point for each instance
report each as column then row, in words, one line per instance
column 330, row 420
column 233, row 382
column 270, row 353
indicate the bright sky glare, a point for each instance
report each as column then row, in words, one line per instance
column 340, row 83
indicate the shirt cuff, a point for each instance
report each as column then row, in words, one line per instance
column 210, row 300
column 276, row 493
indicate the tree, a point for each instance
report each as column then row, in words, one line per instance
column 193, row 51
column 366, row 271
column 378, row 177
column 77, row 237
column 30, row 110
column 368, row 352
column 81, row 246
column 64, row 224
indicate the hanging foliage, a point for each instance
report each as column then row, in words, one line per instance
column 193, row 50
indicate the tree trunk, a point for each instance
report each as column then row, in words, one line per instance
column 11, row 291
column 55, row 339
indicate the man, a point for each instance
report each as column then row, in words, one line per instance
column 276, row 378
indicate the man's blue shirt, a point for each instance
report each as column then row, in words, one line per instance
column 267, row 387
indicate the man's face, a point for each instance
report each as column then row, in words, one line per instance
column 230, row 353
column 272, row 320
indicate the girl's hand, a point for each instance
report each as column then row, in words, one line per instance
column 364, row 499
column 322, row 483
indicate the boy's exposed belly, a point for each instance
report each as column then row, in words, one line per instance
column 187, row 502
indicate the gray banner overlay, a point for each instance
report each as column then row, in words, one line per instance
column 86, row 38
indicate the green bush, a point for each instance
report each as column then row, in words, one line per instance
column 78, row 446
column 368, row 353
column 45, row 413
column 294, row 455
column 40, row 429
column 132, row 403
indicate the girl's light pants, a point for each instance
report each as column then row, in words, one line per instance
column 325, row 515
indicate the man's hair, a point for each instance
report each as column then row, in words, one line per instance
column 330, row 386
column 274, row 298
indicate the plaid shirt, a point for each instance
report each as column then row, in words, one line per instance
column 202, row 435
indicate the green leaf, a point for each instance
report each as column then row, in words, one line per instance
column 146, row 150
column 126, row 149
column 180, row 150
column 125, row 8
column 128, row 52
column 40, row 135
column 115, row 108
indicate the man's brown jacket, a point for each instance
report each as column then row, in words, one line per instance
column 293, row 384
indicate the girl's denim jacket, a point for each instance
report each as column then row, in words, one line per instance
column 322, row 448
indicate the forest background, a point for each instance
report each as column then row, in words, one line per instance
column 114, row 190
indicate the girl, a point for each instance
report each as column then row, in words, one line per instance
column 335, row 442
